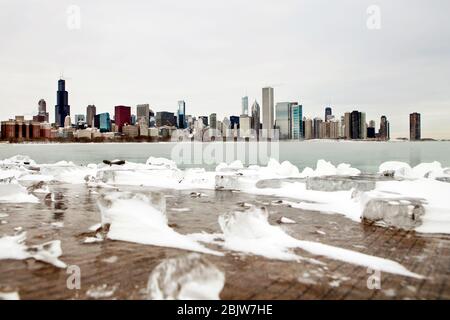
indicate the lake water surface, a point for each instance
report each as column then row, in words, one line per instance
column 366, row 156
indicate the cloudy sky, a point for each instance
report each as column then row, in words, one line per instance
column 211, row 53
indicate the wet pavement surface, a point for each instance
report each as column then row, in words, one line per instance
column 120, row 270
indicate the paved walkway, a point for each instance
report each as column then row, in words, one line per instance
column 247, row 277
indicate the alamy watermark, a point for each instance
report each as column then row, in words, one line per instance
column 73, row 17
column 74, row 279
column 212, row 147
column 373, row 17
column 374, row 279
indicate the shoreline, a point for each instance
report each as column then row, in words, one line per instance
column 207, row 142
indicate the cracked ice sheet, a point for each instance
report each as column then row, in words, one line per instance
column 250, row 232
column 14, row 248
column 134, row 218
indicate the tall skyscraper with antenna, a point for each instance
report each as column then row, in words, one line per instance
column 62, row 108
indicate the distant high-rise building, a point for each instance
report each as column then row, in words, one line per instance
column 328, row 113
column 80, row 119
column 225, row 126
column 415, row 133
column 347, row 125
column 234, row 122
column 256, row 118
column 371, row 132
column 355, row 125
column 165, row 118
column 67, row 122
column 384, row 129
column 297, row 122
column 42, row 115
column 245, row 105
column 104, row 122
column 245, row 126
column 308, row 129
column 316, row 129
column 91, row 112
column 181, row 114
column 143, row 113
column 268, row 110
column 213, row 121
column 204, row 120
column 362, row 125
column 283, row 123
column 334, row 129
column 122, row 116
column 62, row 108
column 133, row 120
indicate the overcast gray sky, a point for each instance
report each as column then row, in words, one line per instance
column 211, row 53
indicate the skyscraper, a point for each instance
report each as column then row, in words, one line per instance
column 297, row 122
column 103, row 122
column 415, row 133
column 91, row 112
column 347, row 125
column 213, row 121
column 328, row 113
column 268, row 110
column 355, row 125
column 42, row 115
column 181, row 114
column 245, row 105
column 308, row 129
column 122, row 116
column 256, row 117
column 283, row 119
column 143, row 113
column 165, row 118
column 362, row 125
column 62, row 108
column 384, row 129
column 204, row 119
column 316, row 129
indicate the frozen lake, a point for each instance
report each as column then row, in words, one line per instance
column 366, row 156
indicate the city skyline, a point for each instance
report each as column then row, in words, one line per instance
column 394, row 71
column 285, row 117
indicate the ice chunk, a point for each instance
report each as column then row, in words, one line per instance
column 325, row 168
column 18, row 160
column 15, row 193
column 13, row 247
column 402, row 213
column 250, row 232
column 189, row 277
column 340, row 183
column 284, row 220
column 228, row 182
column 9, row 296
column 428, row 170
column 101, row 292
column 40, row 187
column 400, row 169
column 142, row 219
column 436, row 205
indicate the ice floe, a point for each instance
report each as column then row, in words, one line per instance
column 188, row 277
column 141, row 219
column 13, row 247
